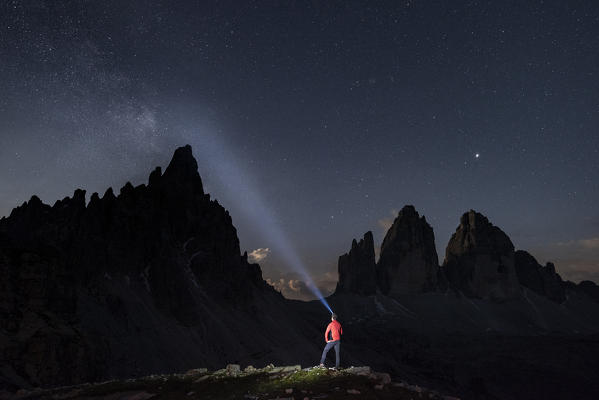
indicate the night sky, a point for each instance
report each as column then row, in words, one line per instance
column 314, row 122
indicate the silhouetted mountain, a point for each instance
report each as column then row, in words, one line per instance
column 479, row 260
column 152, row 281
column 542, row 280
column 357, row 273
column 147, row 281
column 408, row 262
column 590, row 289
column 587, row 289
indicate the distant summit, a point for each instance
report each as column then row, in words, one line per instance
column 357, row 272
column 542, row 280
column 408, row 263
column 479, row 260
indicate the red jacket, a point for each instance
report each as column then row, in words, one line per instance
column 336, row 330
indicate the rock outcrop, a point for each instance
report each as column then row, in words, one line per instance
column 542, row 280
column 408, row 262
column 284, row 382
column 590, row 289
column 479, row 260
column 357, row 273
column 151, row 280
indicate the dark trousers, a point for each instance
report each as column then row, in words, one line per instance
column 337, row 345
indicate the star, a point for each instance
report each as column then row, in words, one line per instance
column 477, row 155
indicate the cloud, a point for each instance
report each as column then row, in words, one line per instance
column 297, row 286
column 575, row 260
column 592, row 243
column 277, row 284
column 258, row 255
column 577, row 270
column 386, row 222
column 293, row 288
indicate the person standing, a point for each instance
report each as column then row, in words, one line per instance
column 333, row 338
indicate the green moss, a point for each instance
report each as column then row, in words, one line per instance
column 261, row 385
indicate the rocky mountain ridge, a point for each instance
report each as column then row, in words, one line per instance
column 150, row 280
column 480, row 262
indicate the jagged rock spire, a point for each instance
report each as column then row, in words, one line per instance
column 182, row 171
column 408, row 262
column 479, row 260
column 357, row 272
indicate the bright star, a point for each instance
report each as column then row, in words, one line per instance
column 476, row 155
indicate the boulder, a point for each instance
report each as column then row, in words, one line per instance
column 408, row 263
column 383, row 377
column 479, row 260
column 359, row 370
column 196, row 372
column 233, row 369
column 283, row 369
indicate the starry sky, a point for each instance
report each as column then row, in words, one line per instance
column 314, row 122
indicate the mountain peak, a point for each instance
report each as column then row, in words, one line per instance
column 408, row 262
column 479, row 259
column 183, row 169
column 357, row 273
column 182, row 162
column 407, row 210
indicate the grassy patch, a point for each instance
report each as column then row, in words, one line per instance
column 316, row 383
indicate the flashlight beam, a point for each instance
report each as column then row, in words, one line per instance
column 234, row 178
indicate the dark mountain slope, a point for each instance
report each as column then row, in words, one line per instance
column 151, row 280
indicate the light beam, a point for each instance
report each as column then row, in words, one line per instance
column 221, row 160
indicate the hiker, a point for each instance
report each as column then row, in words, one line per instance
column 333, row 338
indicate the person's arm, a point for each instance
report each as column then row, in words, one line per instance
column 326, row 334
column 340, row 330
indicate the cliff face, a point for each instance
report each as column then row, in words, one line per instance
column 408, row 263
column 357, row 272
column 479, row 260
column 150, row 280
column 589, row 288
column 542, row 280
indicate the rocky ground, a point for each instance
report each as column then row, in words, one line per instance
column 285, row 382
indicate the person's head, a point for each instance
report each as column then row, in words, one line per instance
column 333, row 317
